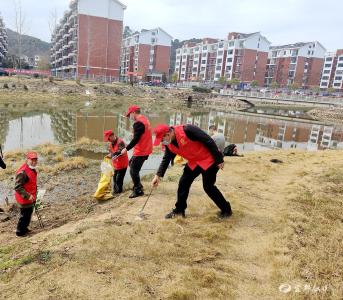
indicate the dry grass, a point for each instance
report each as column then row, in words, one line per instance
column 286, row 228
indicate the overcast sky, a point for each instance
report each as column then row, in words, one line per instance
column 281, row 21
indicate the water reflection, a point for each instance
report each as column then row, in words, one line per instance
column 248, row 130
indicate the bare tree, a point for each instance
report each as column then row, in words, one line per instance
column 53, row 19
column 20, row 26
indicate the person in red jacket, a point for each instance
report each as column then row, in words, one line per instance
column 26, row 192
column 142, row 147
column 120, row 163
column 203, row 156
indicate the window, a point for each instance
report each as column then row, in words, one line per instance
column 196, row 49
column 183, row 69
column 338, row 78
column 340, row 65
column 153, row 33
column 221, row 45
column 217, row 75
column 324, row 83
column 230, row 52
column 326, row 72
column 284, row 52
column 195, row 69
column 218, row 68
column 220, row 53
column 325, row 78
column 203, row 61
column 231, row 44
column 203, row 68
column 153, row 40
column 327, row 65
column 293, row 60
column 204, row 48
column 309, row 52
column 328, row 59
column 341, row 58
column 337, row 84
column 196, row 55
column 229, row 59
column 228, row 68
column 219, row 61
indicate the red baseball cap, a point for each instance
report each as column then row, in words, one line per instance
column 160, row 130
column 107, row 134
column 132, row 109
column 31, row 155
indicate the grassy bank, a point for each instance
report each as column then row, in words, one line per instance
column 286, row 229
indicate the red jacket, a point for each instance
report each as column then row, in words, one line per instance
column 122, row 161
column 30, row 186
column 195, row 152
column 144, row 146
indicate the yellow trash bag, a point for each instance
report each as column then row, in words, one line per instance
column 104, row 191
column 179, row 160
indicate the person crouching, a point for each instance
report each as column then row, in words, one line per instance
column 120, row 162
column 26, row 192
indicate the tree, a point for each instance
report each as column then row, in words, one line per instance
column 222, row 80
column 331, row 90
column 315, row 89
column 127, row 32
column 20, row 25
column 293, row 86
column 254, row 84
column 274, row 85
column 234, row 82
column 43, row 64
column 175, row 77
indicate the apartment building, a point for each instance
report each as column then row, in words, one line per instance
column 332, row 73
column 299, row 63
column 87, row 41
column 146, row 55
column 241, row 56
column 3, row 41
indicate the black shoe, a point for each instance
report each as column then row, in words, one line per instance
column 174, row 213
column 21, row 234
column 136, row 194
column 224, row 214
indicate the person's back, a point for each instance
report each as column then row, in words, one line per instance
column 218, row 138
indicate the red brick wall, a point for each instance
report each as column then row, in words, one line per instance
column 162, row 59
column 143, row 58
column 314, row 72
column 261, row 67
column 105, row 38
column 299, row 74
column 281, row 70
column 248, row 64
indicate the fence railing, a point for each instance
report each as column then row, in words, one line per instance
column 282, row 96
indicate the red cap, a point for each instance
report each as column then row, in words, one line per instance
column 107, row 134
column 132, row 109
column 31, row 155
column 160, row 130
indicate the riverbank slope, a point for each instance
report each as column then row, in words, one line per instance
column 286, row 229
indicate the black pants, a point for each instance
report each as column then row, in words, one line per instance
column 118, row 180
column 208, row 180
column 136, row 163
column 24, row 220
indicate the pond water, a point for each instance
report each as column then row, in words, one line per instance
column 253, row 129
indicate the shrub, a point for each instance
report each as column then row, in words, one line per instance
column 201, row 89
column 6, row 86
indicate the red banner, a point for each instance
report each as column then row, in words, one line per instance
column 28, row 72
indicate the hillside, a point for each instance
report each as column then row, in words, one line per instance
column 284, row 240
column 31, row 45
